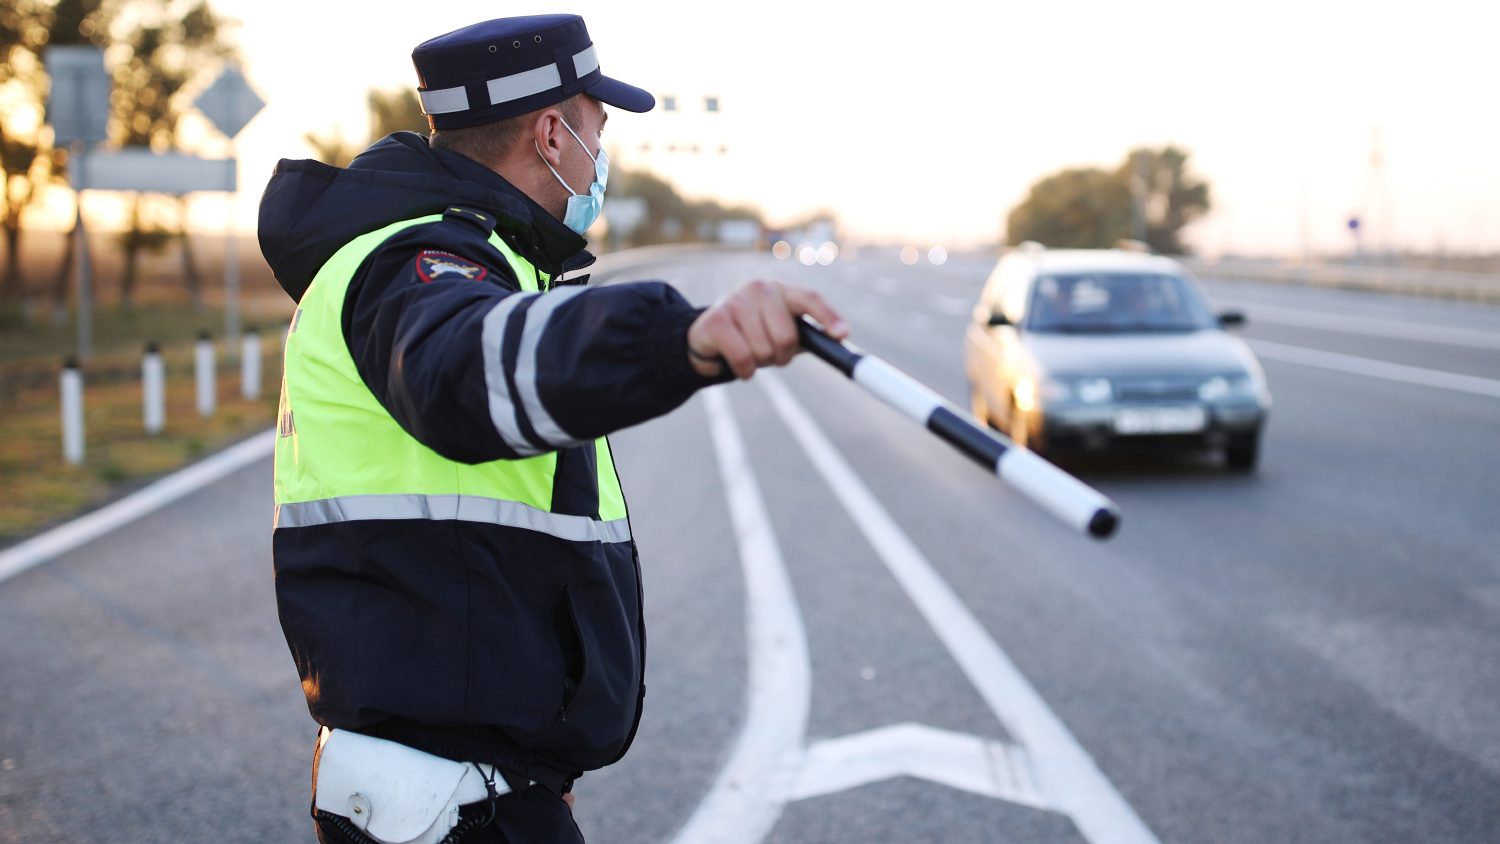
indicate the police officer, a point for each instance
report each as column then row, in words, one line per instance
column 455, row 573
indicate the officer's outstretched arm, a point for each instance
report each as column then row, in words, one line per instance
column 478, row 370
column 755, row 326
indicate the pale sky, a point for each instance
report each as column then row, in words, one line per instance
column 925, row 122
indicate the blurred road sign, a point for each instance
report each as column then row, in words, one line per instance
column 78, row 103
column 230, row 102
column 625, row 213
column 141, row 169
column 739, row 232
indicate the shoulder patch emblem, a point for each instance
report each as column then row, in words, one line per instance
column 432, row 266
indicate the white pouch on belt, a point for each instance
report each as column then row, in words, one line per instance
column 393, row 793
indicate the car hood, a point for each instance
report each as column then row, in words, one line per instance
column 1207, row 352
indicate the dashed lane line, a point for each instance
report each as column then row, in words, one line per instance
column 84, row 529
column 1376, row 368
column 1066, row 774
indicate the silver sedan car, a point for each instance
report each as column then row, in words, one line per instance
column 1111, row 350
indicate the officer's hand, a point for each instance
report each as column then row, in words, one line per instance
column 753, row 327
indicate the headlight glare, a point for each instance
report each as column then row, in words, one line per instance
column 1213, row 389
column 1025, row 393
column 1222, row 387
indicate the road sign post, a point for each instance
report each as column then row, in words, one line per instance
column 78, row 109
column 229, row 104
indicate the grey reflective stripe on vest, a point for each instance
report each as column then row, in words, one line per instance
column 531, row 337
column 502, row 408
column 462, row 508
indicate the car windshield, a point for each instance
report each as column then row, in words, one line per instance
column 1115, row 303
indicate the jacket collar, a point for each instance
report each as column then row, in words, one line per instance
column 537, row 236
column 524, row 225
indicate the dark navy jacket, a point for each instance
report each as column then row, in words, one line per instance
column 473, row 641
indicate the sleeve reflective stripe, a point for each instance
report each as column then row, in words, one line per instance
column 531, row 401
column 502, row 404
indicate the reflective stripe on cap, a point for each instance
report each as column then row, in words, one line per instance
column 585, row 62
column 444, row 100
column 537, row 80
column 519, row 85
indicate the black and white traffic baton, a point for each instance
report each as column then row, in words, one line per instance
column 1066, row 497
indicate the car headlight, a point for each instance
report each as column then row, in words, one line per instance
column 1025, row 393
column 1095, row 390
column 1220, row 387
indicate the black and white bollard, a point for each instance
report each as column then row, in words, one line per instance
column 203, row 374
column 153, row 389
column 250, row 365
column 1064, row 496
column 72, row 411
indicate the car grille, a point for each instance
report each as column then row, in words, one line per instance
column 1157, row 389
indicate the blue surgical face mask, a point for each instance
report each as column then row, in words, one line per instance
column 583, row 208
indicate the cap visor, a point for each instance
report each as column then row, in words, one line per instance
column 618, row 94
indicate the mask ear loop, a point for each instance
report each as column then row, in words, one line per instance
column 571, row 192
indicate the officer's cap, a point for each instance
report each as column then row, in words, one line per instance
column 511, row 66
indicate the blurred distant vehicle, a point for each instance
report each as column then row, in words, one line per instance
column 1110, row 350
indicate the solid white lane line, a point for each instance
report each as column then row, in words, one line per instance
column 83, row 529
column 1067, row 775
column 746, row 798
column 1368, row 326
column 1376, row 368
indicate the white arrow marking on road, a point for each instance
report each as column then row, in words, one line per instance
column 1377, row 368
column 990, row 768
column 1067, row 775
column 768, row 765
column 66, row 537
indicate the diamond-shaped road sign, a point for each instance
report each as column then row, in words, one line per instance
column 230, row 102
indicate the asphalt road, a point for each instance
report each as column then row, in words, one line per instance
column 1307, row 654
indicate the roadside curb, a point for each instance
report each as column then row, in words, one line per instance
column 86, row 528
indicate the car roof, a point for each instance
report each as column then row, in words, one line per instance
column 1084, row 260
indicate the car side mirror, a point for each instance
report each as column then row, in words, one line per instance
column 1231, row 319
column 998, row 318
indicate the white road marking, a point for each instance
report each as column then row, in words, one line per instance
column 84, row 529
column 747, row 797
column 990, row 768
column 1377, row 368
column 1066, row 774
column 1368, row 326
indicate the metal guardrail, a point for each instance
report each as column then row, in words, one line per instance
column 1439, row 284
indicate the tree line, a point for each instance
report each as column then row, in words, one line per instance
column 154, row 49
column 1150, row 196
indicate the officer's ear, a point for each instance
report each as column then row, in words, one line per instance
column 550, row 134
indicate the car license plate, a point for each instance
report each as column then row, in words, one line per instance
column 1160, row 420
